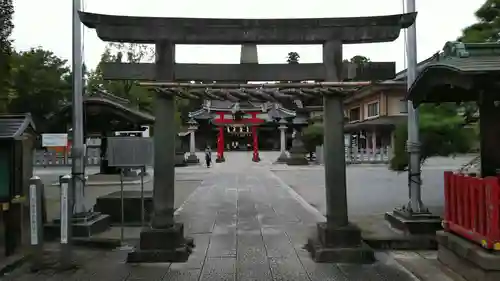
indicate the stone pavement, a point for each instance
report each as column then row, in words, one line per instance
column 247, row 225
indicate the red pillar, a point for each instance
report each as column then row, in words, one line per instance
column 220, row 145
column 255, row 157
column 220, row 139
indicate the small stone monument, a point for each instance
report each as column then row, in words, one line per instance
column 192, row 159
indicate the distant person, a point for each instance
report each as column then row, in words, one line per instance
column 208, row 156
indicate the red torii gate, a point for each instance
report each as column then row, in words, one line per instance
column 221, row 121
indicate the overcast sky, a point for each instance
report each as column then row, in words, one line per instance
column 48, row 24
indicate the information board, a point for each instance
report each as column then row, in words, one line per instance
column 130, row 151
column 54, row 140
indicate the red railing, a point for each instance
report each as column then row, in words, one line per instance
column 472, row 208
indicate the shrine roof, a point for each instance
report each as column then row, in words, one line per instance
column 374, row 88
column 14, row 126
column 210, row 107
column 236, row 31
column 382, row 121
column 457, row 73
column 100, row 102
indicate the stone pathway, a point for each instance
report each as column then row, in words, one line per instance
column 247, row 225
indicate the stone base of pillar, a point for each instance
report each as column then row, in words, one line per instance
column 192, row 159
column 339, row 245
column 414, row 223
column 467, row 258
column 220, row 160
column 297, row 159
column 162, row 245
column 180, row 159
column 256, row 158
column 282, row 159
column 83, row 225
column 111, row 204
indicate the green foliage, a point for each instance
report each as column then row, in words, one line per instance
column 41, row 84
column 442, row 133
column 130, row 90
column 360, row 59
column 6, row 26
column 292, row 58
column 487, row 29
column 312, row 136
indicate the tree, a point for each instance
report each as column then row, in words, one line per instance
column 442, row 133
column 41, row 84
column 292, row 58
column 487, row 29
column 128, row 89
column 360, row 59
column 312, row 136
column 6, row 26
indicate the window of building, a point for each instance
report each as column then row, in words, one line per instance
column 403, row 106
column 354, row 114
column 373, row 109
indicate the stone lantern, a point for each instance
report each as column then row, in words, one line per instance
column 283, row 155
column 192, row 127
column 298, row 151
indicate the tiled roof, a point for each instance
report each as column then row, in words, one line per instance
column 380, row 121
column 466, row 60
column 13, row 126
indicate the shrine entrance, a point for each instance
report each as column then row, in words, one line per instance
column 336, row 240
column 239, row 137
column 240, row 126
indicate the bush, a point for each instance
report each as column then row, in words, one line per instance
column 312, row 136
column 442, row 133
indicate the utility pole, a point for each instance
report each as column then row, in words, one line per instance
column 77, row 150
column 415, row 204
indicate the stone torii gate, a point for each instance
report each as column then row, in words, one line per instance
column 337, row 240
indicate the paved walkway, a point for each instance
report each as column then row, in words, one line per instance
column 247, row 225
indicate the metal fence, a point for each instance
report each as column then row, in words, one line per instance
column 356, row 155
column 50, row 158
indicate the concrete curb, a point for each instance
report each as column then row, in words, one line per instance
column 12, row 263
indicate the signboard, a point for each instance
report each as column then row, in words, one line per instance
column 54, row 140
column 33, row 215
column 130, row 151
column 64, row 213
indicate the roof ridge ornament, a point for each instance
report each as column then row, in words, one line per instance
column 455, row 49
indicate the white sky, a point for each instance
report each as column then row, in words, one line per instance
column 48, row 24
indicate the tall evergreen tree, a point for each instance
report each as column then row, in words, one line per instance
column 487, row 29
column 6, row 26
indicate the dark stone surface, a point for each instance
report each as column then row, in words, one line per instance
column 98, row 224
column 192, row 159
column 297, row 160
column 282, row 159
column 180, row 254
column 339, row 245
column 162, row 245
column 345, row 236
column 111, row 205
column 356, row 255
column 422, row 224
column 237, row 31
column 403, row 242
column 163, row 239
